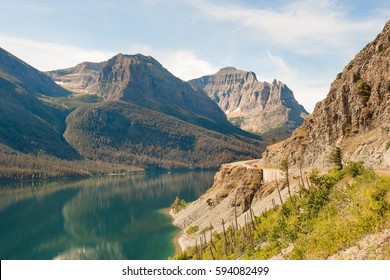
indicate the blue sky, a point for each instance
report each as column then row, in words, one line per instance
column 299, row 42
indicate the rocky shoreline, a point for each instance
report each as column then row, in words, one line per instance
column 239, row 188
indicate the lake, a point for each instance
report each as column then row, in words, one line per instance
column 107, row 217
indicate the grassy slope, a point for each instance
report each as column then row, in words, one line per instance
column 340, row 208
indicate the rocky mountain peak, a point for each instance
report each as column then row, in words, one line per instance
column 252, row 105
column 354, row 116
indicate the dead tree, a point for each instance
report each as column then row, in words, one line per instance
column 277, row 187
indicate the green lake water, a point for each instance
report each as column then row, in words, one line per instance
column 108, row 217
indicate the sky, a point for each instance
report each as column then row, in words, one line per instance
column 302, row 43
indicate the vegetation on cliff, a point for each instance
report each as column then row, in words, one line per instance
column 330, row 215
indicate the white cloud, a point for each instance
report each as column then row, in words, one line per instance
column 185, row 64
column 49, row 56
column 307, row 26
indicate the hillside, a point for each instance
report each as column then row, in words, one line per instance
column 355, row 115
column 325, row 220
column 123, row 132
column 254, row 106
column 28, row 124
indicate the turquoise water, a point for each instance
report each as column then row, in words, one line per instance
column 109, row 217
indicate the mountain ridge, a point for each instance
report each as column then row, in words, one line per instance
column 252, row 105
column 143, row 81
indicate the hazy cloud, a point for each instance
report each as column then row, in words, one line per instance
column 49, row 56
column 307, row 26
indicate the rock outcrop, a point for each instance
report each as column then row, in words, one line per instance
column 252, row 105
column 355, row 116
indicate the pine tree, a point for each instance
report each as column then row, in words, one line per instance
column 336, row 158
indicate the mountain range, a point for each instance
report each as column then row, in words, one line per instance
column 128, row 109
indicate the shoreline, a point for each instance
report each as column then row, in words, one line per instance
column 175, row 240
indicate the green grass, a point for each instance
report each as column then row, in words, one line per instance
column 340, row 208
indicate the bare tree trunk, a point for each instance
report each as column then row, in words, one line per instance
column 308, row 183
column 235, row 210
column 224, row 236
column 300, row 172
column 277, row 187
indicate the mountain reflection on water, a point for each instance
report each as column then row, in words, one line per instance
column 108, row 217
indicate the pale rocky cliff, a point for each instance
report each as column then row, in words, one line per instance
column 355, row 115
column 252, row 105
column 79, row 79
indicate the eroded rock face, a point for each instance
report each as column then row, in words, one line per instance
column 241, row 180
column 250, row 104
column 354, row 116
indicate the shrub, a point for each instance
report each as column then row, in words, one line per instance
column 387, row 145
column 354, row 169
column 178, row 205
column 192, row 229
